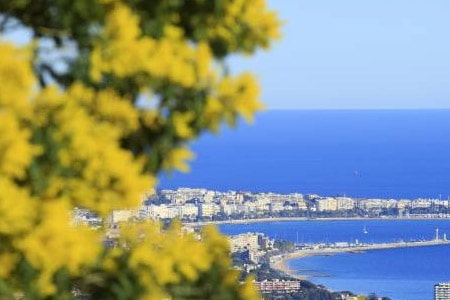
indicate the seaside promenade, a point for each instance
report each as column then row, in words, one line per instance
column 279, row 262
column 318, row 219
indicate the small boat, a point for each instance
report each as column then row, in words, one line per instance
column 365, row 230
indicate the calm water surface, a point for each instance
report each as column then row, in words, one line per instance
column 402, row 274
column 387, row 154
column 395, row 154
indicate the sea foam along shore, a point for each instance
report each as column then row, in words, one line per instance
column 280, row 262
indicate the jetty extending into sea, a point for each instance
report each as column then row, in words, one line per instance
column 279, row 262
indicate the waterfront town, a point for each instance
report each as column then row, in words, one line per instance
column 264, row 258
column 255, row 253
column 198, row 204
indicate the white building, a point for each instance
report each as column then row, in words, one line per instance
column 403, row 203
column 442, row 291
column 208, row 209
column 188, row 211
column 277, row 206
column 182, row 195
column 286, row 286
column 232, row 209
column 245, row 241
column 262, row 203
column 162, row 211
column 209, row 196
column 421, row 203
column 118, row 216
column 344, row 203
column 326, row 204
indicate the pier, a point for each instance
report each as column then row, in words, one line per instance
column 279, row 262
column 364, row 247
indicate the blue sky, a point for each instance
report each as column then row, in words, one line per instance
column 357, row 54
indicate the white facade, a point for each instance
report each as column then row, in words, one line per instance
column 188, row 211
column 162, row 211
column 118, row 216
column 343, row 203
column 244, row 241
column 208, row 209
column 442, row 291
column 326, row 204
column 277, row 207
column 420, row 203
column 403, row 203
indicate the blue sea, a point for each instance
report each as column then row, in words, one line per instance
column 374, row 153
column 401, row 274
column 390, row 154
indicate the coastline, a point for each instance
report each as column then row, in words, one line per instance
column 282, row 219
column 280, row 262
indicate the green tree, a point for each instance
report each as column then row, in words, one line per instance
column 106, row 97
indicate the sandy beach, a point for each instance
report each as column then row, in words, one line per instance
column 279, row 263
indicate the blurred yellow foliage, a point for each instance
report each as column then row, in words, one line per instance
column 124, row 51
column 85, row 141
column 176, row 159
column 53, row 245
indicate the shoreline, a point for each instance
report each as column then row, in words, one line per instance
column 280, row 262
column 281, row 219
